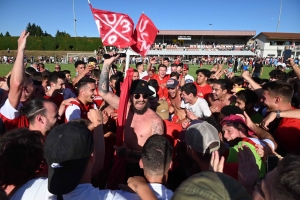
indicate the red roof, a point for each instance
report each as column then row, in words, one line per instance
column 207, row 32
column 286, row 36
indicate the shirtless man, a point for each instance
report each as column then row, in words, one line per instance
column 141, row 121
column 220, row 96
column 174, row 96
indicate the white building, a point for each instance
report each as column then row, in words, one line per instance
column 272, row 44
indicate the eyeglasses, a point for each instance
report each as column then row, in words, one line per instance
column 258, row 188
column 57, row 67
column 137, row 96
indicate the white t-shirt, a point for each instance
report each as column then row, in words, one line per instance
column 168, row 70
column 200, row 108
column 35, row 189
column 144, row 73
column 160, row 191
column 189, row 77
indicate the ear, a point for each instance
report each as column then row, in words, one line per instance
column 40, row 119
column 141, row 164
column 277, row 100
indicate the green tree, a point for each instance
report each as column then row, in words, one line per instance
column 62, row 34
column 1, row 35
column 7, row 34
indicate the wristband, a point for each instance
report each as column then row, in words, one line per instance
column 277, row 113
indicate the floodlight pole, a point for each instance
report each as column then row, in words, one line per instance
column 74, row 20
column 279, row 17
column 210, row 26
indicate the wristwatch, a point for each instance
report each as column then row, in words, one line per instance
column 277, row 113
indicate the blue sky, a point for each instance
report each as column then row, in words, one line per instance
column 258, row 15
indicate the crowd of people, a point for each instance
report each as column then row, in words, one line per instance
column 153, row 132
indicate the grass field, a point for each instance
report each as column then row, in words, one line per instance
column 5, row 68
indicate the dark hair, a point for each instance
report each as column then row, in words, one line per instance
column 35, row 107
column 231, row 110
column 21, row 154
column 157, row 154
column 138, row 64
column 154, row 84
column 237, row 80
column 66, row 72
column 162, row 65
column 41, row 65
column 46, row 73
column 279, row 88
column 114, row 77
column 205, row 72
column 189, row 88
column 174, row 74
column 37, row 76
column 166, row 58
column 54, row 76
column 279, row 75
column 173, row 65
column 287, row 184
column 134, row 70
column 84, row 81
column 95, row 73
column 225, row 84
column 92, row 59
column 30, row 71
column 247, row 96
column 78, row 62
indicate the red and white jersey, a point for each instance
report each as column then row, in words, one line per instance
column 11, row 117
column 78, row 110
column 98, row 99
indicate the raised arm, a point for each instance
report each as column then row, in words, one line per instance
column 151, row 63
column 87, row 70
column 295, row 67
column 257, row 88
column 103, row 89
column 18, row 73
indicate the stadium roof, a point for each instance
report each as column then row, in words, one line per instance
column 275, row 35
column 207, row 32
column 194, row 53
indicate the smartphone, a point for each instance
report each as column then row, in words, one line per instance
column 272, row 162
column 287, row 55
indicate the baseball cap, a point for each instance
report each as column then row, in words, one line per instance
column 172, row 83
column 202, row 137
column 236, row 119
column 140, row 87
column 67, row 150
column 186, row 67
column 189, row 81
column 163, row 109
column 210, row 185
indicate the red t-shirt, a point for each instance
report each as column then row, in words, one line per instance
column 287, row 135
column 11, row 117
column 78, row 110
column 203, row 91
column 162, row 91
column 172, row 133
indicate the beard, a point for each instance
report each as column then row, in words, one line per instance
column 142, row 111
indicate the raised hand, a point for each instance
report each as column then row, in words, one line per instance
column 22, row 40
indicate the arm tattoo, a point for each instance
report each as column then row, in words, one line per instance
column 157, row 128
column 103, row 81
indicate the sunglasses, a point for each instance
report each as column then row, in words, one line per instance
column 137, row 96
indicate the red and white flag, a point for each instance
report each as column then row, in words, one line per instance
column 145, row 33
column 115, row 29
